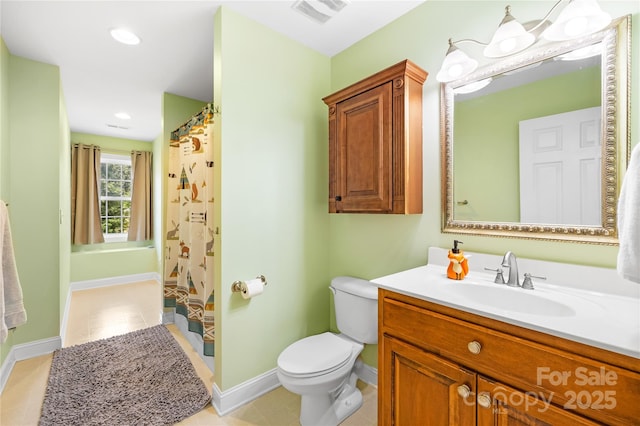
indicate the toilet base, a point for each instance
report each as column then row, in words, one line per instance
column 329, row 409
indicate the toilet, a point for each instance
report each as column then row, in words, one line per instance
column 322, row 368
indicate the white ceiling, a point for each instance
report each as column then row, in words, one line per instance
column 101, row 77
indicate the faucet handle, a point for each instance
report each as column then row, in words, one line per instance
column 499, row 277
column 527, row 284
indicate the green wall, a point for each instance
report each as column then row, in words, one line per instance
column 110, row 144
column 4, row 120
column 4, row 150
column 370, row 246
column 112, row 262
column 272, row 174
column 487, row 171
column 35, row 135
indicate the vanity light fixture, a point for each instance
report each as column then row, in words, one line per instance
column 456, row 64
column 125, row 36
column 577, row 19
column 509, row 38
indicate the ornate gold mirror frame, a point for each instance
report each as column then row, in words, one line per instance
column 615, row 136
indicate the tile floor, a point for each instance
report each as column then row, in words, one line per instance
column 108, row 311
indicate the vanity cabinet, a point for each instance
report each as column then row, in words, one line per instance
column 443, row 366
column 375, row 143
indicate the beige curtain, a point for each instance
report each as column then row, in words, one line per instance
column 85, row 203
column 141, row 222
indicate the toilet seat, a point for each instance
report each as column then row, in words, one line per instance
column 315, row 355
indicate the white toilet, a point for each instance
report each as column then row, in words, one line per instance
column 321, row 368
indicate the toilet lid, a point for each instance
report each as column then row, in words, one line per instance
column 315, row 354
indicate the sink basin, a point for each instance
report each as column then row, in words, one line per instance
column 511, row 299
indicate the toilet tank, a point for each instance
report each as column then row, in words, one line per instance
column 356, row 306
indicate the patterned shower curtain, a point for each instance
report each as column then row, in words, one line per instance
column 188, row 275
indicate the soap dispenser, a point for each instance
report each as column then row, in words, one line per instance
column 458, row 266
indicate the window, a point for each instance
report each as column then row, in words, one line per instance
column 115, row 196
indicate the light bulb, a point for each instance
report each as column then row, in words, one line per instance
column 455, row 70
column 507, row 45
column 125, row 36
column 576, row 26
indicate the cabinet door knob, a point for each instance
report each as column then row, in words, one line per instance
column 484, row 399
column 474, row 347
column 338, row 198
column 464, row 391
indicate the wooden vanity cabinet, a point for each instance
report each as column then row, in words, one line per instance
column 375, row 143
column 501, row 405
column 443, row 366
column 423, row 388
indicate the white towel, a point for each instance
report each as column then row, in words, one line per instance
column 629, row 221
column 12, row 312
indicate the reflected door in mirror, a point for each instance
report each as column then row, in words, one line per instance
column 560, row 158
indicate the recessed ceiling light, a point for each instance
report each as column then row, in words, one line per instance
column 123, row 116
column 125, row 36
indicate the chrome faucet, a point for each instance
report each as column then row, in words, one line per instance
column 509, row 261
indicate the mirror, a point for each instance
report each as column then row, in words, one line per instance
column 543, row 137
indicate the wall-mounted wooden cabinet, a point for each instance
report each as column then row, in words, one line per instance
column 375, row 143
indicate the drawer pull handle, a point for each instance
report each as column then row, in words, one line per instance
column 484, row 399
column 464, row 391
column 474, row 347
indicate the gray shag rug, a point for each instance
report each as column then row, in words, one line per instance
column 140, row 378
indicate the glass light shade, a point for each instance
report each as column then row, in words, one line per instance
column 473, row 87
column 125, row 36
column 585, row 52
column 456, row 65
column 577, row 19
column 509, row 38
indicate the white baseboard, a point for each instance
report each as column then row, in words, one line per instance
column 227, row 401
column 25, row 351
column 368, row 374
column 105, row 282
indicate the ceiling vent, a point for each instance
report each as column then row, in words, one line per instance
column 115, row 126
column 319, row 10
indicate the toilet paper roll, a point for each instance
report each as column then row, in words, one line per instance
column 251, row 288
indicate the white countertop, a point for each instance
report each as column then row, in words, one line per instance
column 607, row 321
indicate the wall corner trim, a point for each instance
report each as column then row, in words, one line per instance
column 227, row 401
column 25, row 351
column 367, row 374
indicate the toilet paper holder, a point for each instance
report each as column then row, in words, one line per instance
column 236, row 286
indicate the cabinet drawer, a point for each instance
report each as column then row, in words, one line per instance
column 571, row 381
